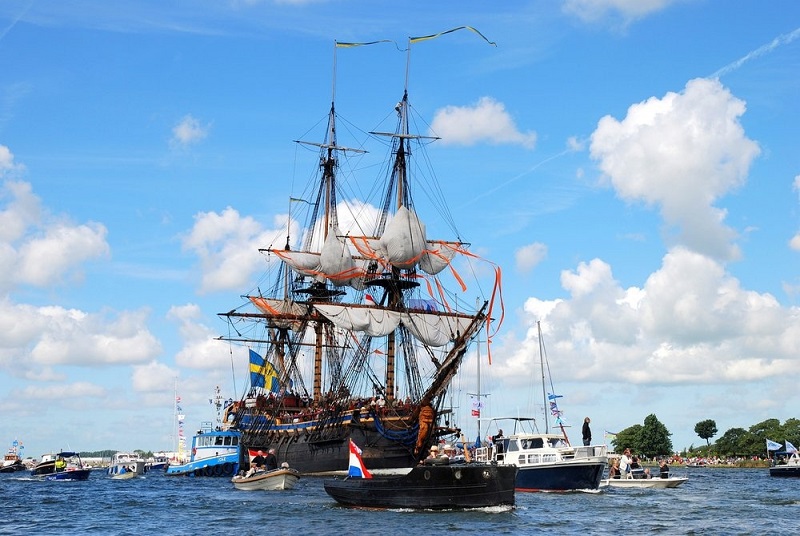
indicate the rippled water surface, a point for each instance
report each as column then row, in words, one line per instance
column 713, row 501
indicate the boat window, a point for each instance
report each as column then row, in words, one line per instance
column 219, row 440
column 227, row 440
column 533, row 458
column 535, row 443
column 548, row 458
column 235, row 441
column 513, row 446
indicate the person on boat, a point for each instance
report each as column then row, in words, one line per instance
column 434, row 453
column 637, row 471
column 449, row 451
column 587, row 432
column 497, row 440
column 663, row 469
column 257, row 463
column 60, row 464
column 625, row 463
column 614, row 471
column 271, row 462
column 647, row 473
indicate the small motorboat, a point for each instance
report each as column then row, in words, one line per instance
column 276, row 479
column 125, row 466
column 639, row 483
column 790, row 468
column 12, row 462
column 61, row 466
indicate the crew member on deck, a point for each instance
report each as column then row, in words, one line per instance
column 271, row 462
column 664, row 469
column 257, row 463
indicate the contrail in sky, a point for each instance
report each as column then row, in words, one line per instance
column 15, row 21
column 519, row 176
column 769, row 47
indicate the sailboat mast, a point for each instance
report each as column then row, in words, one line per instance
column 544, row 388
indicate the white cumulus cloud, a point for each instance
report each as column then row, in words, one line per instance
column 592, row 10
column 527, row 257
column 681, row 153
column 188, row 131
column 485, row 121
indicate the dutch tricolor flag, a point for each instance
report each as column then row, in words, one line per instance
column 357, row 468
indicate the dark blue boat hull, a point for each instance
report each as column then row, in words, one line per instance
column 562, row 477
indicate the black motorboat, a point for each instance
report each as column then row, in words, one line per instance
column 430, row 486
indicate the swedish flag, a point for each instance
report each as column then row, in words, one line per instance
column 263, row 373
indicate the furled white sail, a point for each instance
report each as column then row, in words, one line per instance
column 336, row 261
column 374, row 321
column 437, row 256
column 278, row 310
column 403, row 240
column 304, row 262
column 435, row 329
column 432, row 328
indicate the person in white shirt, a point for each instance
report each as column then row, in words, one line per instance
column 625, row 463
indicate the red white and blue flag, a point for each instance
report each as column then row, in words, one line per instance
column 357, row 468
column 477, row 406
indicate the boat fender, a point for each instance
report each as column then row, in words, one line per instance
column 208, row 471
column 217, row 470
column 227, row 468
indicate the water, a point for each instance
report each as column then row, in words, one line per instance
column 713, row 501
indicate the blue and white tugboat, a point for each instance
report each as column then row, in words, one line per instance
column 215, row 452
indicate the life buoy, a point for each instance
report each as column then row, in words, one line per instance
column 227, row 469
column 208, row 471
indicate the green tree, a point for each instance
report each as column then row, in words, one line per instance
column 760, row 432
column 627, row 439
column 734, row 442
column 654, row 438
column 706, row 429
column 791, row 431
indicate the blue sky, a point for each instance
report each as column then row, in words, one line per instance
column 632, row 167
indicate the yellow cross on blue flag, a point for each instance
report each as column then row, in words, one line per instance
column 262, row 373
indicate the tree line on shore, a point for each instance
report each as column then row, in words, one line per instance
column 652, row 439
column 747, row 442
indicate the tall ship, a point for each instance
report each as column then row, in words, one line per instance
column 359, row 327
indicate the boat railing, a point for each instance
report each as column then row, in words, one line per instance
column 483, row 454
column 590, row 451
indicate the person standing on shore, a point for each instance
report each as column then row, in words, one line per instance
column 587, row 432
